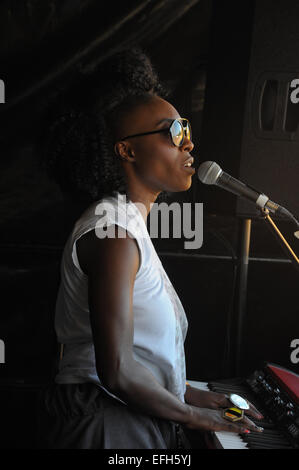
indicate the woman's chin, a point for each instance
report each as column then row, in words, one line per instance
column 188, row 184
column 179, row 186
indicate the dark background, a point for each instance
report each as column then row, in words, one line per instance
column 202, row 50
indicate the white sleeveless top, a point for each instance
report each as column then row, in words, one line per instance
column 160, row 323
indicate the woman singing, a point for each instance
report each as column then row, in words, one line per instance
column 121, row 381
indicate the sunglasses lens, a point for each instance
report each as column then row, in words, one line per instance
column 188, row 131
column 179, row 130
column 177, row 133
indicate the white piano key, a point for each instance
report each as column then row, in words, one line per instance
column 200, row 385
column 230, row 440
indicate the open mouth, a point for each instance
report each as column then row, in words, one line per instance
column 189, row 168
column 189, row 161
column 188, row 165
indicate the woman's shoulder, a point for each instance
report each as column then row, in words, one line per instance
column 90, row 247
column 109, row 219
column 92, row 214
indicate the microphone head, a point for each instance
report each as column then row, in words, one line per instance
column 209, row 172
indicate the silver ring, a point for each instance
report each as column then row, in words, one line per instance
column 238, row 401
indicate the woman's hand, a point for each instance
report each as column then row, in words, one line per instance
column 215, row 401
column 212, row 420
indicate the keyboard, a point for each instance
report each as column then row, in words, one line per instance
column 274, row 391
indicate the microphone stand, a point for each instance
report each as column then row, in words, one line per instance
column 282, row 241
column 241, row 291
column 240, row 301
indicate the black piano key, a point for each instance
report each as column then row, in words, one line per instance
column 259, row 443
column 269, row 446
column 271, row 432
column 262, row 423
column 268, row 436
column 228, row 388
column 269, row 439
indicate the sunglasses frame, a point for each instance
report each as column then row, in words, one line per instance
column 168, row 129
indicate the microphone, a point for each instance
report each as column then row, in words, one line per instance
column 211, row 173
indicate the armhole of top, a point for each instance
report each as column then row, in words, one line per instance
column 74, row 251
column 75, row 255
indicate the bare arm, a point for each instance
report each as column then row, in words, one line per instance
column 111, row 265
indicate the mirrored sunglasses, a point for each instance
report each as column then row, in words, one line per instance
column 179, row 129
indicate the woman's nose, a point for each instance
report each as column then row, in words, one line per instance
column 187, row 145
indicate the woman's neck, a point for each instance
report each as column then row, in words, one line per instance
column 144, row 201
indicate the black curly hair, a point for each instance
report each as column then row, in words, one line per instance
column 79, row 147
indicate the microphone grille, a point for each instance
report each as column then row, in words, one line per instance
column 208, row 172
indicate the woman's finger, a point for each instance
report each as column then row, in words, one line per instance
column 242, row 427
column 254, row 412
column 234, row 427
column 251, row 425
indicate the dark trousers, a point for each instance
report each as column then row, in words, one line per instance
column 83, row 416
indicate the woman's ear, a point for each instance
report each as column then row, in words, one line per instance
column 123, row 150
